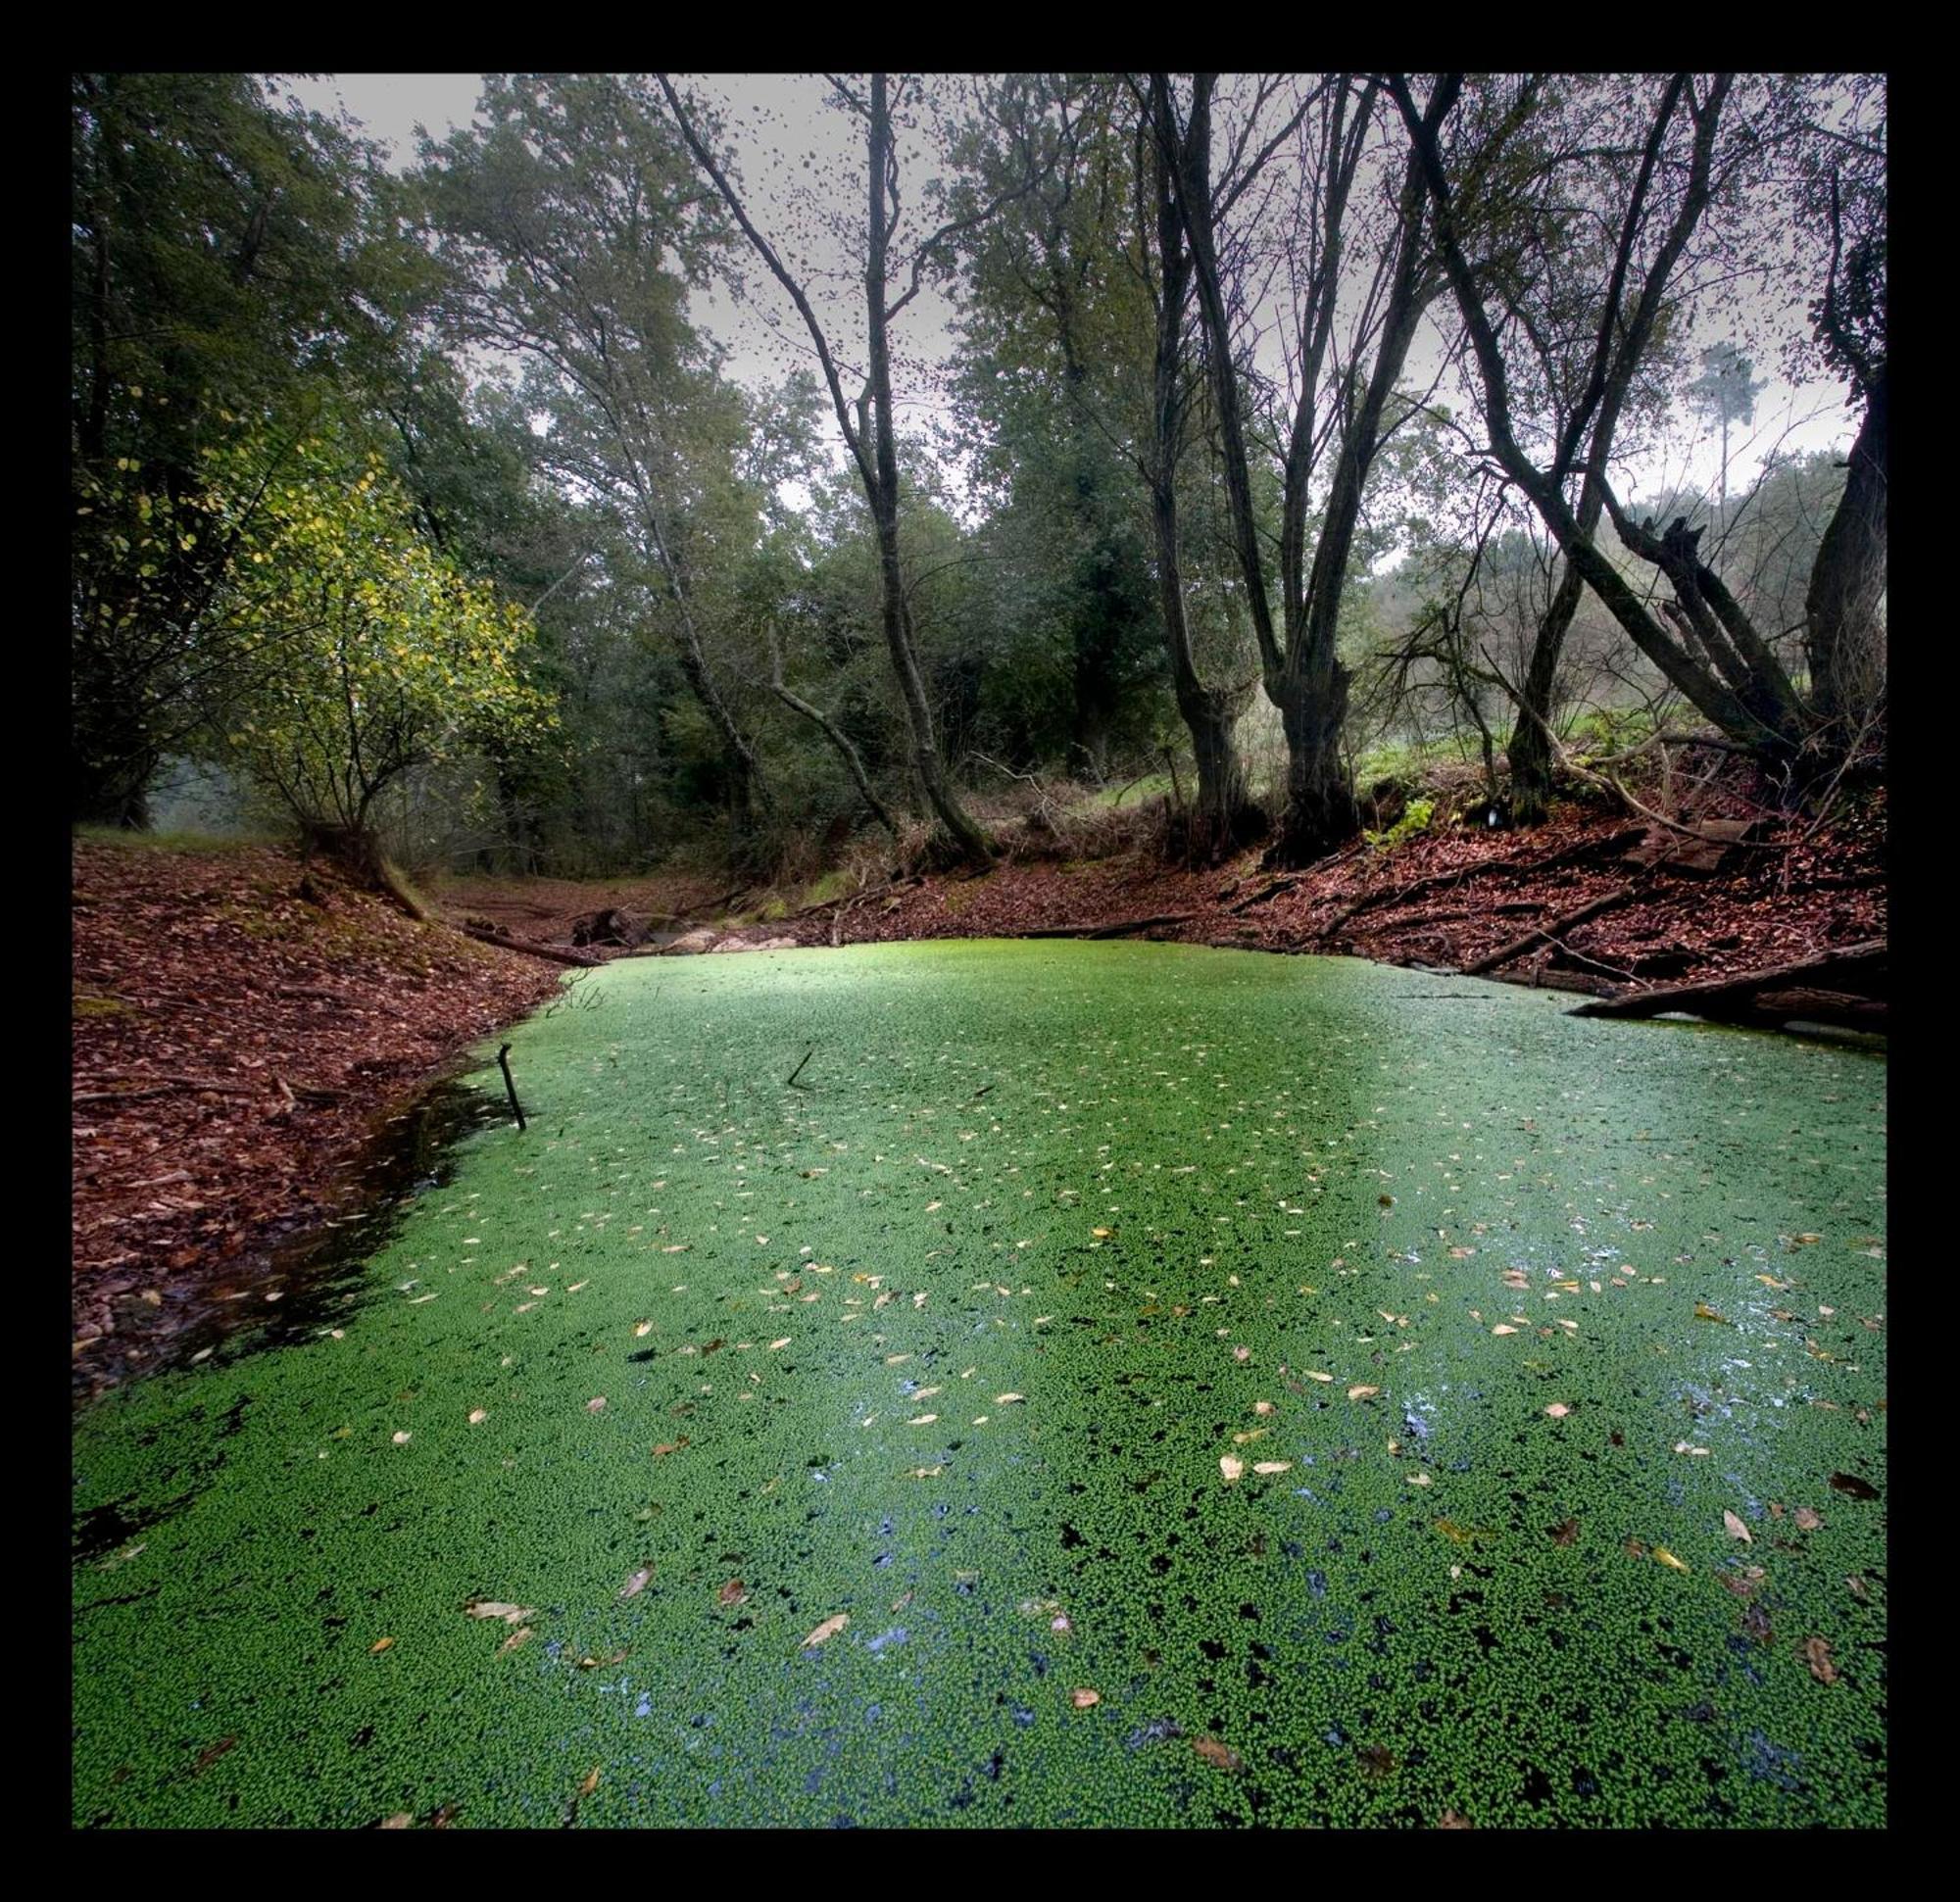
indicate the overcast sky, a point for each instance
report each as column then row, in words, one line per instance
column 776, row 122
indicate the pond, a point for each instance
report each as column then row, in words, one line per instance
column 1114, row 1384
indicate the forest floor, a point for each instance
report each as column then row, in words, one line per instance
column 1450, row 898
column 235, row 1045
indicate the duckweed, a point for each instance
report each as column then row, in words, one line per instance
column 938, row 1354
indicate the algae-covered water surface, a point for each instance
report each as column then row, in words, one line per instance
column 1118, row 1385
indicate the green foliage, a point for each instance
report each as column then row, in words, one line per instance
column 1415, row 818
column 362, row 651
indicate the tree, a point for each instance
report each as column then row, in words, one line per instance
column 230, row 252
column 569, row 221
column 368, row 652
column 871, row 436
column 1336, row 411
column 1711, row 650
column 1725, row 392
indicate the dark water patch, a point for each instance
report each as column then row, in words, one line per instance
column 310, row 1275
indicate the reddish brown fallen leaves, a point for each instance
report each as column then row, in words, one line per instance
column 734, row 1592
column 1817, row 1654
column 1221, row 1756
column 209, row 966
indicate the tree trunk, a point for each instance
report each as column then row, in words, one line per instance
column 968, row 840
column 1843, row 640
column 1320, row 813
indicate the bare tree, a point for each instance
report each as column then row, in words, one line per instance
column 869, row 433
column 1343, row 407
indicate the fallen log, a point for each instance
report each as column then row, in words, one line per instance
column 1552, row 929
column 503, row 942
column 1716, row 994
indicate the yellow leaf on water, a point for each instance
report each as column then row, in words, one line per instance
column 923, row 1420
column 783, row 1342
column 1006, row 1399
column 1362, row 1392
column 1314, row 1374
column 1102, row 1234
column 1230, row 1468
column 1667, row 1558
column 1703, row 1312
column 828, row 1629
column 1504, row 1327
column 478, row 1416
column 591, row 1782
column 927, row 1472
column 380, row 1646
column 1085, row 1699
column 1273, row 1466
column 641, row 1329
column 1263, row 1407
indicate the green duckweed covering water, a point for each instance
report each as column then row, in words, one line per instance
column 1145, row 1190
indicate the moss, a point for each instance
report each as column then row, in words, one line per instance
column 1287, row 1156
column 87, row 1004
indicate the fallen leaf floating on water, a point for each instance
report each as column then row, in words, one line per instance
column 641, row 1329
column 597, row 1404
column 380, row 1646
column 1737, row 1530
column 1668, row 1559
column 401, row 1820
column 1682, row 1446
column 1451, row 1820
column 1808, row 1520
column 496, row 1608
column 734, row 1592
column 478, row 1416
column 1314, row 1374
column 591, row 1782
column 923, row 1420
column 1006, row 1399
column 1817, row 1654
column 783, row 1342
column 1703, row 1312
column 595, row 1664
column 638, row 1582
column 669, row 1446
column 1270, row 1466
column 826, row 1631
column 1566, row 1534
column 1362, row 1392
column 1851, row 1483
column 1102, row 1235
column 1085, row 1699
column 403, row 1438
column 1263, row 1407
column 1241, row 1353
column 516, row 1637
column 1230, row 1468
column 1558, row 1409
column 1220, row 1755
column 1504, row 1327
